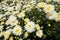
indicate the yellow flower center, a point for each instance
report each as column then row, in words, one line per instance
column 48, row 8
column 17, row 30
column 38, row 32
column 50, row 15
column 29, row 26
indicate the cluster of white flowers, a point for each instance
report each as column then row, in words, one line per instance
column 12, row 20
column 49, row 9
column 16, row 9
column 31, row 27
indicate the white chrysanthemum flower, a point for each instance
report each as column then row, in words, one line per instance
column 30, row 27
column 51, row 15
column 49, row 8
column 39, row 33
column 57, row 18
column 41, row 5
column 11, row 17
column 7, row 34
column 17, row 30
column 26, row 20
column 37, row 26
column 12, row 20
column 25, row 34
column 22, row 14
column 1, row 28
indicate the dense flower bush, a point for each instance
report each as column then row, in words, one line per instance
column 29, row 19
